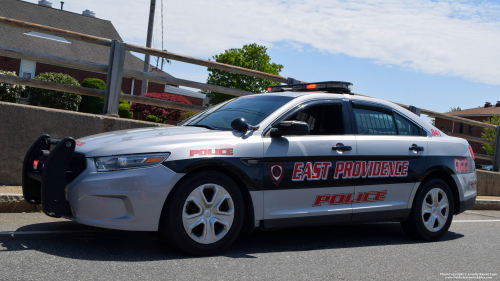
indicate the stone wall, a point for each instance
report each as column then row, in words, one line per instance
column 488, row 183
column 21, row 125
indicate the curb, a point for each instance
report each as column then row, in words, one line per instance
column 486, row 204
column 15, row 203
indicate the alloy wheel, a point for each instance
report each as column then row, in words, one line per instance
column 435, row 209
column 208, row 213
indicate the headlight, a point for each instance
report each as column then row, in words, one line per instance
column 123, row 162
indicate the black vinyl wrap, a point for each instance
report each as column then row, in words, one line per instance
column 257, row 176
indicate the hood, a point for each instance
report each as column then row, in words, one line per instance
column 148, row 140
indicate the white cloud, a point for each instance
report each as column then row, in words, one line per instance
column 457, row 38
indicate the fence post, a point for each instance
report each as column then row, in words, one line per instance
column 114, row 79
column 496, row 157
column 108, row 77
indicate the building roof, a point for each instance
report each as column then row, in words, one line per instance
column 17, row 38
column 478, row 111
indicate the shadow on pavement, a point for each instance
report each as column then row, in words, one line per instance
column 109, row 245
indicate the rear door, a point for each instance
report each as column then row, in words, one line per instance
column 394, row 150
column 299, row 184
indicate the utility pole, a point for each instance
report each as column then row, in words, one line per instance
column 144, row 88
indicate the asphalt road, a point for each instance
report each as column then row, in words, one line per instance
column 55, row 249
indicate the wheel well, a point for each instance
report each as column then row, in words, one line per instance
column 248, row 218
column 446, row 177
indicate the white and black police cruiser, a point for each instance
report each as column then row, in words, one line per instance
column 304, row 154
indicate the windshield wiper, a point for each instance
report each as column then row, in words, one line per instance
column 203, row 126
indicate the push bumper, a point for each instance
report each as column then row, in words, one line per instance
column 45, row 174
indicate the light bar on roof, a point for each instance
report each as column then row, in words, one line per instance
column 329, row 86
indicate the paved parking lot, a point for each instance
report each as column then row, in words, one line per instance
column 34, row 246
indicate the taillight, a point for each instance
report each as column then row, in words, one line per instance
column 35, row 165
column 472, row 153
column 269, row 89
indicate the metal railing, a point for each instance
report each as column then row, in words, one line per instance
column 115, row 72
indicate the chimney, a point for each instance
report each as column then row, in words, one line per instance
column 498, row 103
column 487, row 104
column 62, row 4
column 89, row 13
column 45, row 3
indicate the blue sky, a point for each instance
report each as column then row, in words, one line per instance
column 431, row 54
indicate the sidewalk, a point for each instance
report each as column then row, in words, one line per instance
column 12, row 201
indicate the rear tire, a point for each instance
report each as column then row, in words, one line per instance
column 431, row 213
column 204, row 214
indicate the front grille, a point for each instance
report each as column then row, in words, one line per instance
column 76, row 166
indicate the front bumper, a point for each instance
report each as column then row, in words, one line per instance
column 126, row 200
column 69, row 186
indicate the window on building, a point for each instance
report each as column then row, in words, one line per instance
column 47, row 36
column 442, row 128
column 470, row 129
column 322, row 119
column 461, row 128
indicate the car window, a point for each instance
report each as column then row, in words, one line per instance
column 322, row 119
column 253, row 108
column 405, row 127
column 371, row 122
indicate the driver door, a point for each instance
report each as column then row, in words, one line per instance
column 299, row 171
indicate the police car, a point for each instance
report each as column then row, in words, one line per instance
column 299, row 155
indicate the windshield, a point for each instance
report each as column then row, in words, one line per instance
column 253, row 108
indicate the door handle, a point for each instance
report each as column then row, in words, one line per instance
column 342, row 147
column 416, row 148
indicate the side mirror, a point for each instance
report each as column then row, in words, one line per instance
column 290, row 128
column 240, row 124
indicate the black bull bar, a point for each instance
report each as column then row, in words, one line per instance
column 45, row 182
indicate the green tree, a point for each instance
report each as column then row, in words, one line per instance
column 455, row 109
column 55, row 99
column 251, row 56
column 490, row 134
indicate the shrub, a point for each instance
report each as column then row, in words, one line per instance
column 9, row 92
column 161, row 112
column 152, row 118
column 95, row 105
column 91, row 104
column 55, row 99
column 124, row 110
column 186, row 114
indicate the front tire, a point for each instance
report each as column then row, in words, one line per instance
column 204, row 214
column 431, row 213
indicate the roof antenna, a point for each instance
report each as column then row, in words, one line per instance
column 62, row 4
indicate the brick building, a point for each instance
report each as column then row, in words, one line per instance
column 85, row 23
column 477, row 114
